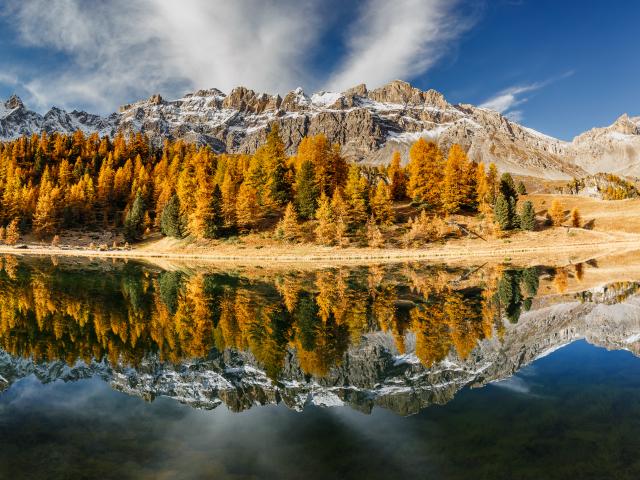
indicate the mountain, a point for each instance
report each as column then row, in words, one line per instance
column 372, row 373
column 369, row 124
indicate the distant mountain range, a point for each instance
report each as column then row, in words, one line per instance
column 369, row 124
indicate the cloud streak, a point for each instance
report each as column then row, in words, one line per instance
column 122, row 50
column 398, row 39
column 506, row 100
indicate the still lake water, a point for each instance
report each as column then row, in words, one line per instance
column 124, row 370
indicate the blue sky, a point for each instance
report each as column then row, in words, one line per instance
column 560, row 67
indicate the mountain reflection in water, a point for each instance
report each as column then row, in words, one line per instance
column 401, row 337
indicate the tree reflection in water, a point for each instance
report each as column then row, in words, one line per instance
column 123, row 311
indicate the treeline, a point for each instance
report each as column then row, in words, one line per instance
column 50, row 183
column 126, row 315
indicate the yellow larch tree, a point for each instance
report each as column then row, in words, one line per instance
column 425, row 168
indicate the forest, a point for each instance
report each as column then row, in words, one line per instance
column 55, row 183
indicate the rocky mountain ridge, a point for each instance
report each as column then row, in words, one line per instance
column 369, row 124
column 372, row 373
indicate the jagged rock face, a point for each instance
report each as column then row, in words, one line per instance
column 614, row 149
column 596, row 186
column 369, row 124
column 371, row 373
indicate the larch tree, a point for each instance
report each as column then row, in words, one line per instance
column 246, row 206
column 456, row 191
column 206, row 220
column 482, row 188
column 325, row 229
column 576, row 219
column 289, row 227
column 425, row 168
column 381, row 205
column 45, row 217
column 278, row 188
column 556, row 213
column 492, row 183
column 330, row 168
column 357, row 196
column 339, row 208
column 375, row 238
column 12, row 233
column 229, row 192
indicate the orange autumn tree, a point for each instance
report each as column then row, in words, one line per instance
column 425, row 168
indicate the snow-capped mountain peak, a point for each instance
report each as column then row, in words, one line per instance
column 369, row 124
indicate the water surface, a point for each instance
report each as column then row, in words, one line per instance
column 124, row 370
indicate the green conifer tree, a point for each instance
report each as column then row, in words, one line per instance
column 508, row 187
column 170, row 224
column 527, row 216
column 521, row 189
column 134, row 221
column 502, row 212
column 214, row 220
column 306, row 191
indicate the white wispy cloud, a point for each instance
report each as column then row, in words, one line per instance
column 122, row 50
column 506, row 100
column 397, row 39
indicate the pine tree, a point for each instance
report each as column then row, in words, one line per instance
column 527, row 216
column 502, row 212
column 170, row 224
column 306, row 190
column 521, row 189
column 576, row 219
column 326, row 229
column 289, row 227
column 508, row 187
column 273, row 151
column 425, row 173
column 381, row 205
column 397, row 177
column 134, row 221
column 556, row 213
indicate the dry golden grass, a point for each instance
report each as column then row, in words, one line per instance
column 604, row 215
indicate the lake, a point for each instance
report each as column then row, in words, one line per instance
column 120, row 369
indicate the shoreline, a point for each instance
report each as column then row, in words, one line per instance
column 309, row 254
